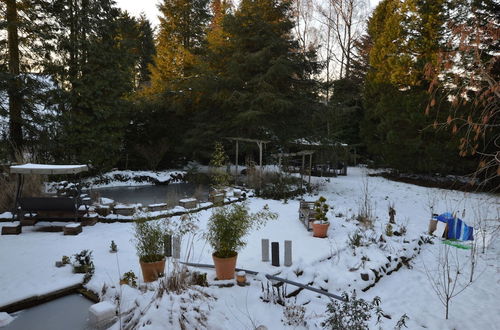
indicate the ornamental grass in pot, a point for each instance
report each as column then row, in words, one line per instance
column 149, row 242
column 321, row 224
column 227, row 228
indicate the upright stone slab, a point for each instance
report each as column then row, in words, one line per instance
column 288, row 253
column 176, row 247
column 167, row 245
column 265, row 250
column 275, row 253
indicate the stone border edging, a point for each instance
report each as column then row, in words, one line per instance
column 40, row 299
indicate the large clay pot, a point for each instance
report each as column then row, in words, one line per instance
column 320, row 229
column 224, row 267
column 152, row 270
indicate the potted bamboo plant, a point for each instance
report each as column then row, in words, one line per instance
column 227, row 228
column 149, row 238
column 321, row 224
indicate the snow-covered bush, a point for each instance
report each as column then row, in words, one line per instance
column 83, row 264
column 113, row 247
column 130, row 279
column 293, row 315
column 352, row 313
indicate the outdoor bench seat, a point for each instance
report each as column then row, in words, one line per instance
column 49, row 208
column 307, row 214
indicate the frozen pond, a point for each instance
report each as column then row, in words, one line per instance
column 153, row 194
column 69, row 312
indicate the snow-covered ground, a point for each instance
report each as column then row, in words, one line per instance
column 27, row 262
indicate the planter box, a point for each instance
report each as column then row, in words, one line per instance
column 125, row 210
column 157, row 207
column 72, row 229
column 103, row 210
column 188, row 203
column 28, row 222
column 216, row 198
column 13, row 229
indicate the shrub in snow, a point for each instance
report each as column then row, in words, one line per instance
column 352, row 313
column 113, row 248
column 388, row 229
column 218, row 176
column 359, row 238
column 273, row 294
column 402, row 322
column 83, row 264
column 65, row 260
column 293, row 315
column 129, row 278
column 280, row 186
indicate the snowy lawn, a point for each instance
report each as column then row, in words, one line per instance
column 27, row 262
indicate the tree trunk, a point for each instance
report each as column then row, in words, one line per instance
column 14, row 86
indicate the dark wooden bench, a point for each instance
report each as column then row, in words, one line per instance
column 49, row 208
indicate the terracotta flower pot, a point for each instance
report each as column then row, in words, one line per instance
column 224, row 267
column 320, row 229
column 152, row 270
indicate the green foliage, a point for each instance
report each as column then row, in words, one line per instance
column 66, row 260
column 389, row 230
column 146, row 50
column 95, row 64
column 350, row 314
column 179, row 42
column 83, row 264
column 228, row 226
column 280, row 186
column 406, row 37
column 130, row 278
column 218, row 175
column 321, row 209
column 149, row 240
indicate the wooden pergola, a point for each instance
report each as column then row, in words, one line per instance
column 303, row 154
column 260, row 144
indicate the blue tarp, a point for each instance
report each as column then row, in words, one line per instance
column 457, row 229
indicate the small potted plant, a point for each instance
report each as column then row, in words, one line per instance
column 321, row 224
column 129, row 278
column 227, row 228
column 149, row 239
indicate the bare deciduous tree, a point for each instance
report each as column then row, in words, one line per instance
column 447, row 279
column 343, row 21
column 467, row 72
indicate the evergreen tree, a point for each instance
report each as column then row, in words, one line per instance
column 181, row 38
column 94, row 64
column 147, row 51
column 259, row 83
column 29, row 33
column 406, row 37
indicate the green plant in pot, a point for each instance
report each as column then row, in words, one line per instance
column 227, row 228
column 149, row 240
column 321, row 224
